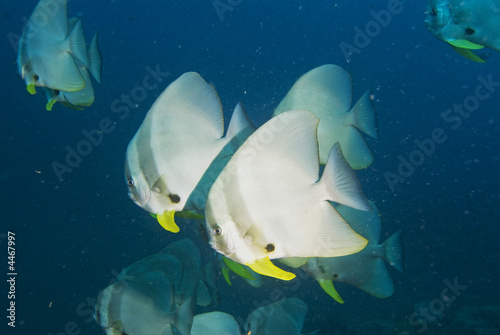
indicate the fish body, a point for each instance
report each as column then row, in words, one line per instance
column 326, row 91
column 49, row 51
column 85, row 96
column 215, row 323
column 157, row 294
column 181, row 135
column 180, row 262
column 143, row 305
column 269, row 202
column 284, row 317
column 465, row 24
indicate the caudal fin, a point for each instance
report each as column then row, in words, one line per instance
column 95, row 59
column 341, row 182
column 393, row 251
column 183, row 319
column 365, row 118
column 77, row 45
column 356, row 151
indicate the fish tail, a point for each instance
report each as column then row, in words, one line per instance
column 393, row 251
column 183, row 318
column 364, row 115
column 95, row 59
column 77, row 45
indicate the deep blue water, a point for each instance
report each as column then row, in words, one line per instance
column 72, row 236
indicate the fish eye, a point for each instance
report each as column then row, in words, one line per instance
column 36, row 77
column 217, row 230
column 433, row 11
column 130, row 182
column 56, row 92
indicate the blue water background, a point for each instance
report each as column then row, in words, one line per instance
column 73, row 236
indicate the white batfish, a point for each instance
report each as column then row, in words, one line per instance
column 326, row 91
column 85, row 96
column 465, row 24
column 269, row 202
column 49, row 51
column 366, row 269
column 178, row 140
column 215, row 323
column 143, row 305
column 284, row 317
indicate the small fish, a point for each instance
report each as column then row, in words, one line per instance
column 215, row 323
column 465, row 24
column 49, row 51
column 284, row 317
column 268, row 202
column 180, row 261
column 181, row 136
column 366, row 269
column 143, row 305
column 326, row 91
column 85, row 96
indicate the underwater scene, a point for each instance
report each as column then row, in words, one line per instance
column 237, row 167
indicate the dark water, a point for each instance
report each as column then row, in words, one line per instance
column 73, row 236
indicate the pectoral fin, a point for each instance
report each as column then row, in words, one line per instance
column 265, row 267
column 237, row 268
column 166, row 220
column 468, row 54
column 327, row 285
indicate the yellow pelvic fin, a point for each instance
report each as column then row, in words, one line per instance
column 468, row 54
column 461, row 43
column 265, row 267
column 31, row 88
column 327, row 285
column 166, row 220
column 49, row 104
column 225, row 273
column 237, row 268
